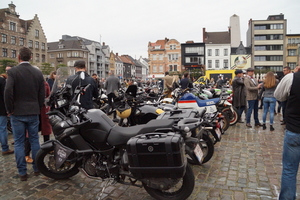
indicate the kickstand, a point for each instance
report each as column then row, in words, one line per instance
column 108, row 182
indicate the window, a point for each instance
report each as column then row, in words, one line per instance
column 154, row 56
column 43, row 46
column 172, row 46
column 60, row 46
column 292, row 65
column 160, row 68
column 217, row 52
column 260, row 37
column 75, row 54
column 157, row 47
column 4, row 38
column 30, row 44
column 173, row 56
column 275, row 47
column 37, row 44
column 225, row 52
column 154, row 68
column 13, row 40
column 13, row 53
column 36, row 33
column 68, row 54
column 260, row 58
column 160, row 57
column 292, row 52
column 197, row 60
column 225, row 64
column 209, row 52
column 293, row 40
column 170, row 68
column 4, row 52
column 21, row 41
column 51, row 55
column 60, row 55
column 217, row 64
column 276, row 37
column 209, row 64
column 37, row 57
column 12, row 26
column 43, row 58
column 276, row 26
column 175, row 67
column 260, row 27
column 260, row 48
column 276, row 58
column 198, row 50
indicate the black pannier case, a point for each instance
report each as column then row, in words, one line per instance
column 157, row 155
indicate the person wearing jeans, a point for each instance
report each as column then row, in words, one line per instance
column 268, row 87
column 288, row 90
column 252, row 88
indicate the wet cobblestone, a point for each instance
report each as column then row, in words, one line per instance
column 246, row 165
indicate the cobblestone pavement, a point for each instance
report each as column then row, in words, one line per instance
column 246, row 165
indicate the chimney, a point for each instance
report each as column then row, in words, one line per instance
column 117, row 54
column 204, row 34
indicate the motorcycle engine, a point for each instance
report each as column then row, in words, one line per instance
column 96, row 166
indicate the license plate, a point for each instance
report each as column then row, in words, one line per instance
column 199, row 153
column 218, row 132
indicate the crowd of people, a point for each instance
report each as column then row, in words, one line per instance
column 23, row 90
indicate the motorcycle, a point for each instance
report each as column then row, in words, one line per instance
column 89, row 141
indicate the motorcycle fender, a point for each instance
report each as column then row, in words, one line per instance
column 190, row 146
column 49, row 145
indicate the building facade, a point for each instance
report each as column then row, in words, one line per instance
column 267, row 41
column 217, row 49
column 292, row 55
column 16, row 33
column 193, row 55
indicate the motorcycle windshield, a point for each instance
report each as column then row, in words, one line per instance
column 62, row 75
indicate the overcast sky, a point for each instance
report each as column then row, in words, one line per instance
column 128, row 25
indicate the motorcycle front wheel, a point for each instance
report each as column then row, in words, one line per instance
column 226, row 122
column 45, row 163
column 180, row 191
column 233, row 116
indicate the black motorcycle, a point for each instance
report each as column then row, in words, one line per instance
column 89, row 141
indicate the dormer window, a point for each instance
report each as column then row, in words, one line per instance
column 60, row 46
column 157, row 47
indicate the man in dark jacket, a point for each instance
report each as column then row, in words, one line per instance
column 86, row 100
column 3, row 120
column 239, row 95
column 24, row 97
column 185, row 82
column 288, row 90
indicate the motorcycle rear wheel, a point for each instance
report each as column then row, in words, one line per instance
column 226, row 122
column 181, row 193
column 45, row 162
column 233, row 116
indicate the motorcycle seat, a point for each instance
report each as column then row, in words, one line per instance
column 120, row 135
column 208, row 102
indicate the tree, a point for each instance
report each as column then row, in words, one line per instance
column 5, row 62
column 46, row 68
column 61, row 65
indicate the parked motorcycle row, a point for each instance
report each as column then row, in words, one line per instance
column 152, row 146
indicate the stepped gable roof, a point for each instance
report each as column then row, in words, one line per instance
column 217, row 38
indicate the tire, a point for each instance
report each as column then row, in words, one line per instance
column 233, row 116
column 186, row 189
column 45, row 163
column 207, row 145
column 226, row 122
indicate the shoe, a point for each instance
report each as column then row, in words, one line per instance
column 116, row 120
column 258, row 124
column 13, row 143
column 7, row 152
column 240, row 121
column 28, row 159
column 281, row 120
column 283, row 123
column 271, row 128
column 248, row 125
column 24, row 177
column 37, row 173
column 264, row 127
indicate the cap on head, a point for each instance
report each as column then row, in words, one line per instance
column 238, row 71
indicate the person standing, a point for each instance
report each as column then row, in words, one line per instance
column 86, row 100
column 252, row 87
column 239, row 96
column 112, row 86
column 286, row 70
column 51, row 79
column 3, row 120
column 221, row 82
column 269, row 101
column 24, row 97
column 185, row 82
column 168, row 80
column 288, row 90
